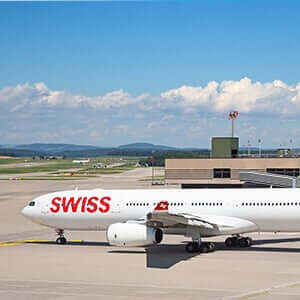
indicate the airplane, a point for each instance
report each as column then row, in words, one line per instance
column 82, row 161
column 140, row 218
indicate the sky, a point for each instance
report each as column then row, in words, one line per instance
column 111, row 73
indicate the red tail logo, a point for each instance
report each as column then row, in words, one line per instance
column 163, row 205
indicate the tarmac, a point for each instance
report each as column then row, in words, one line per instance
column 32, row 266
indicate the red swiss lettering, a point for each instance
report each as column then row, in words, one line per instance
column 70, row 203
column 55, row 204
column 104, row 204
column 92, row 204
column 83, row 204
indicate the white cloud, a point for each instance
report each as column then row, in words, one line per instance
column 34, row 112
column 25, row 95
column 243, row 95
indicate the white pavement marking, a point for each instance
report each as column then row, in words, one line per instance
column 262, row 292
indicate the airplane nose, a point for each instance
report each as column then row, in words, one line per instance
column 25, row 212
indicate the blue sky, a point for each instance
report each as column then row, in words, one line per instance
column 107, row 73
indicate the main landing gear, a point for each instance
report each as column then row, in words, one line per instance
column 61, row 240
column 201, row 247
column 238, row 241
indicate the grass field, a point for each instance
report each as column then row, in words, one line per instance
column 57, row 166
column 6, row 161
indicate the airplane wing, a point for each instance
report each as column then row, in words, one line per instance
column 207, row 224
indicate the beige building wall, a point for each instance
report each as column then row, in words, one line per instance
column 200, row 170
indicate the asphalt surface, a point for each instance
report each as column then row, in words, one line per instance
column 32, row 266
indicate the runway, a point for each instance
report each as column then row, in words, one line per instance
column 34, row 267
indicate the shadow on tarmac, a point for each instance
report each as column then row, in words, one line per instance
column 164, row 256
column 161, row 256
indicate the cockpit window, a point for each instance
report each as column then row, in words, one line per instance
column 32, row 203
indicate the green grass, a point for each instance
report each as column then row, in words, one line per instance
column 6, row 161
column 55, row 167
column 49, row 167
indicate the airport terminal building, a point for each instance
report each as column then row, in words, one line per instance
column 227, row 172
column 226, row 168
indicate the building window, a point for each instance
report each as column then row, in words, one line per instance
column 288, row 171
column 222, row 173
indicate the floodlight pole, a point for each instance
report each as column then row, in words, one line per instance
column 233, row 115
column 152, row 158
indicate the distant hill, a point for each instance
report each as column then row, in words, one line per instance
column 20, row 152
column 56, row 148
column 146, row 146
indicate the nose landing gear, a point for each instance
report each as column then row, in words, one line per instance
column 238, row 241
column 61, row 240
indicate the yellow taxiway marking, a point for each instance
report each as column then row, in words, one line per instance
column 15, row 243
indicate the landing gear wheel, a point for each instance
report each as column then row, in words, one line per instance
column 189, row 248
column 211, row 247
column 229, row 242
column 243, row 242
column 204, row 248
column 235, row 241
column 61, row 240
column 249, row 241
column 192, row 247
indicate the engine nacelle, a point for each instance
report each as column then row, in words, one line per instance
column 131, row 234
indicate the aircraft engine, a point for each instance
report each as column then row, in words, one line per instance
column 131, row 234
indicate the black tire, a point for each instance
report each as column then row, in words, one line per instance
column 235, row 241
column 58, row 241
column 249, row 240
column 204, row 248
column 189, row 248
column 211, row 247
column 229, row 242
column 61, row 241
column 243, row 242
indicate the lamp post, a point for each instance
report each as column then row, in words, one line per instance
column 152, row 159
column 233, row 115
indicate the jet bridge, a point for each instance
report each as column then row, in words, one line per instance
column 270, row 179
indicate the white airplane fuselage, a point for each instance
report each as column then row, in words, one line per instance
column 268, row 210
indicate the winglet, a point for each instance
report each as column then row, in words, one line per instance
column 162, row 206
